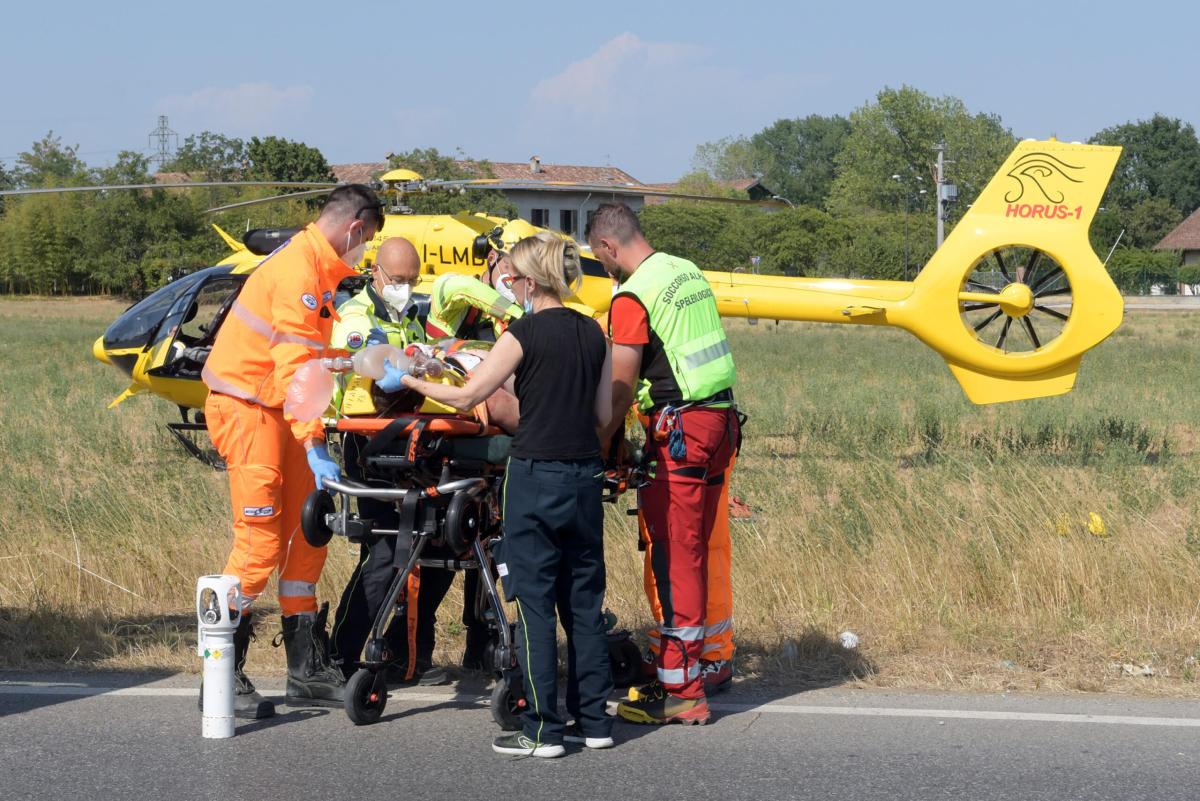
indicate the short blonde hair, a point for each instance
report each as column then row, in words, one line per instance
column 551, row 261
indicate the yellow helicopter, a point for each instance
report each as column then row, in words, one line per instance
column 1012, row 300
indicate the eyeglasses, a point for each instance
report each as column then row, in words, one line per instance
column 387, row 279
column 508, row 279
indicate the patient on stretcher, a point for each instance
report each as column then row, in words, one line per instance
column 460, row 357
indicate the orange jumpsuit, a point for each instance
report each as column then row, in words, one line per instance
column 281, row 319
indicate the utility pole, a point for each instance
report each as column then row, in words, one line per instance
column 945, row 193
column 163, row 134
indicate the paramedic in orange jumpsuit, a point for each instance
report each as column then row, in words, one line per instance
column 280, row 320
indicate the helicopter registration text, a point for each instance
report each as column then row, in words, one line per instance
column 455, row 256
column 1042, row 211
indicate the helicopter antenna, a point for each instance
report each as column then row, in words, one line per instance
column 163, row 134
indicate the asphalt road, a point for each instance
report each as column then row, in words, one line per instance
column 107, row 736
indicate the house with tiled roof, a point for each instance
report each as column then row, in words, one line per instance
column 566, row 211
column 1186, row 238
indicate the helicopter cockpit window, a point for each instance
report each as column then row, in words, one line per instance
column 198, row 323
column 137, row 325
column 191, row 325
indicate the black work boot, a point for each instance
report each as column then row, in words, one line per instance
column 312, row 678
column 247, row 703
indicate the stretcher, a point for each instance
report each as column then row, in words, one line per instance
column 444, row 473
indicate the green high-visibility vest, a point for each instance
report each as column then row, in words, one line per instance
column 366, row 311
column 688, row 357
column 360, row 315
column 454, row 296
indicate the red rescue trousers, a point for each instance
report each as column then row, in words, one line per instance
column 718, row 614
column 269, row 479
column 680, row 508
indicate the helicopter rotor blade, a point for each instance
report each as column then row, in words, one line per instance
column 191, row 185
column 271, row 199
column 614, row 190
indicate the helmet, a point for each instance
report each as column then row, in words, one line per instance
column 502, row 238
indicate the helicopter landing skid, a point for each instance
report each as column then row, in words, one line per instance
column 189, row 435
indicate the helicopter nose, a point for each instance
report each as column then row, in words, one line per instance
column 99, row 352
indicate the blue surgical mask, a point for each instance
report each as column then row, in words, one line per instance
column 527, row 304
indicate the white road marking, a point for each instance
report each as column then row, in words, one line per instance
column 403, row 696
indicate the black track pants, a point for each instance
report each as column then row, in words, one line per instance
column 553, row 569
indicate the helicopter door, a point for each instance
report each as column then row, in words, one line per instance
column 191, row 326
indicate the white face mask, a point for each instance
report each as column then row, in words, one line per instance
column 504, row 289
column 398, row 297
column 353, row 256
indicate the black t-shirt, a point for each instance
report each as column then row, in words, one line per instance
column 563, row 354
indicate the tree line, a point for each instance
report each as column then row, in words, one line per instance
column 131, row 242
column 861, row 192
column 858, row 190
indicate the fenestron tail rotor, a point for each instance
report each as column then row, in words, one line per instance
column 1016, row 299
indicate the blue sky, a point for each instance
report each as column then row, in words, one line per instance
column 633, row 84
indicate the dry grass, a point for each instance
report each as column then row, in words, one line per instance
column 953, row 539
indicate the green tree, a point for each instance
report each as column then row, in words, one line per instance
column 274, row 158
column 875, row 245
column 729, row 159
column 1190, row 274
column 433, row 165
column 130, row 168
column 1160, row 159
column 799, row 156
column 1137, row 271
column 213, row 156
column 715, row 237
column 794, row 241
column 897, row 134
column 8, row 180
column 701, row 183
column 1151, row 220
column 50, row 163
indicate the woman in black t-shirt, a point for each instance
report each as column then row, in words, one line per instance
column 553, row 550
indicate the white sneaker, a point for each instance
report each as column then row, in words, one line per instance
column 573, row 734
column 520, row 745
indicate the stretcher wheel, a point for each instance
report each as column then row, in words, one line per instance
column 312, row 519
column 464, row 516
column 365, row 697
column 507, row 706
column 626, row 661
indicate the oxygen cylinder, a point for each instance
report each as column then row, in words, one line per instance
column 218, row 609
column 310, row 391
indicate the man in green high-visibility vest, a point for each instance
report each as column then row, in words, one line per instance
column 671, row 355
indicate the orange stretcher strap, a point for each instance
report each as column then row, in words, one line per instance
column 434, row 424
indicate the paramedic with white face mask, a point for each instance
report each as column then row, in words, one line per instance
column 384, row 311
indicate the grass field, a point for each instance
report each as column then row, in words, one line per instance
column 1043, row 544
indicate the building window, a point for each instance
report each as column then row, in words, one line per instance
column 540, row 217
column 568, row 221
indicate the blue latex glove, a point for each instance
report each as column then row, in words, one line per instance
column 377, row 336
column 322, row 466
column 391, row 377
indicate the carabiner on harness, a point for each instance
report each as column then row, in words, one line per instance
column 669, row 426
